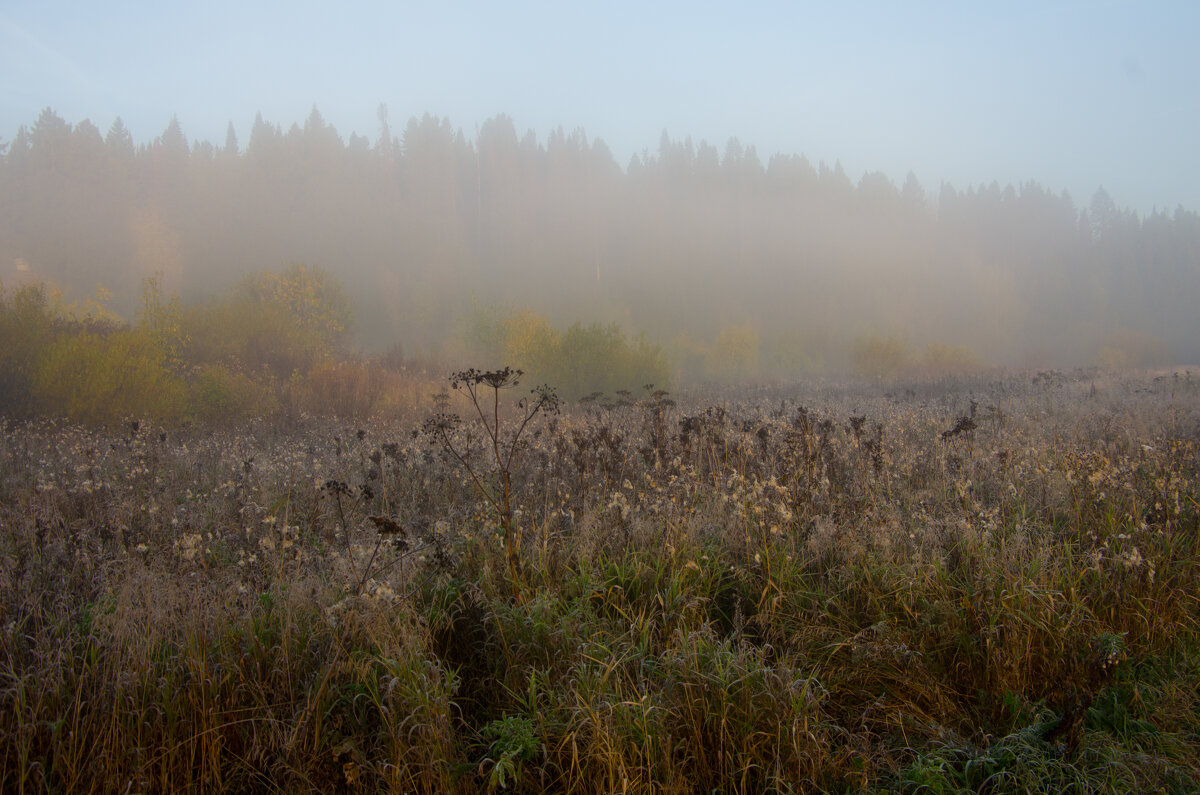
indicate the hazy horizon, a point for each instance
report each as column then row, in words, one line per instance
column 794, row 182
column 1075, row 96
column 695, row 247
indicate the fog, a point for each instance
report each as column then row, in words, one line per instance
column 425, row 225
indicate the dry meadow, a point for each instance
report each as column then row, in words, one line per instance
column 986, row 585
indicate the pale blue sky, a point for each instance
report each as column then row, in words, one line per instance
column 1073, row 95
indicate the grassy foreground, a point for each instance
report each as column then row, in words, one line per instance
column 985, row 587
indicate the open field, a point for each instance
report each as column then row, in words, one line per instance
column 989, row 585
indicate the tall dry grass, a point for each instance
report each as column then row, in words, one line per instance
column 781, row 591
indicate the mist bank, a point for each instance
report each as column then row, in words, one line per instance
column 793, row 266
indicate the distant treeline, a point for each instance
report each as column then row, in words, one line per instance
column 792, row 266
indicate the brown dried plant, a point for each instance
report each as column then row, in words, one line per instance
column 498, row 493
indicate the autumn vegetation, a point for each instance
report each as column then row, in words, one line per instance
column 987, row 585
column 518, row 523
column 275, row 346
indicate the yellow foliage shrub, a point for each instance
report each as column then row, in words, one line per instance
column 102, row 378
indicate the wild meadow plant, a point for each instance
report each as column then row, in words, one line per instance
column 497, row 491
column 983, row 585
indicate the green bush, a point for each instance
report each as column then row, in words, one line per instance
column 879, row 356
column 219, row 394
column 581, row 360
column 600, row 358
column 733, row 357
column 100, row 378
column 281, row 322
column 26, row 328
